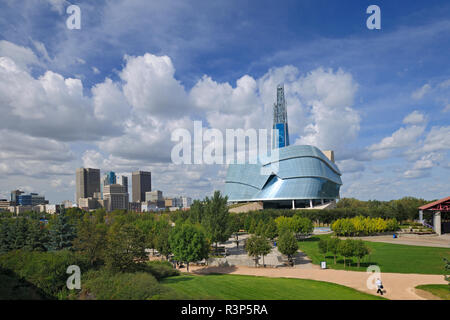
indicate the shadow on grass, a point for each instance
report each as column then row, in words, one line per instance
column 14, row 287
column 222, row 269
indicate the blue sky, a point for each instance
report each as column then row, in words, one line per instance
column 109, row 95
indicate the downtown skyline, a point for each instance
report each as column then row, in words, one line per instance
column 109, row 95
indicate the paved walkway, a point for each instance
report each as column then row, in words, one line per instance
column 398, row 286
column 442, row 241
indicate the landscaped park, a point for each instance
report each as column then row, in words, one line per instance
column 210, row 253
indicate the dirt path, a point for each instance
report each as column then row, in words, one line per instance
column 398, row 286
column 442, row 241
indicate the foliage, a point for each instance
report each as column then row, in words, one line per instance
column 287, row 244
column 125, row 248
column 360, row 225
column 215, row 219
column 104, row 285
column 257, row 246
column 45, row 270
column 188, row 243
column 161, row 269
column 62, row 233
column 91, row 239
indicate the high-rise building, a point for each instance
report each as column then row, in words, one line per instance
column 88, row 183
column 141, row 183
column 123, row 180
column 115, row 197
column 15, row 197
column 280, row 122
column 155, row 197
column 110, row 178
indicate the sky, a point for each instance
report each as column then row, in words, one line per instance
column 110, row 94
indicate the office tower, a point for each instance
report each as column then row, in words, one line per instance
column 155, row 197
column 88, row 183
column 15, row 197
column 141, row 183
column 123, row 180
column 115, row 197
column 280, row 120
column 186, row 202
column 110, row 178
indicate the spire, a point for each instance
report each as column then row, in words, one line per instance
column 280, row 120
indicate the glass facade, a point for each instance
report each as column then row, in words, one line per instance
column 304, row 172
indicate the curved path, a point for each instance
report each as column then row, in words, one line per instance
column 398, row 286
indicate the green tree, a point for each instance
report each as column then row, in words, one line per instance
column 360, row 250
column 91, row 239
column 37, row 239
column 287, row 244
column 257, row 246
column 188, row 243
column 62, row 233
column 346, row 249
column 215, row 220
column 125, row 248
column 333, row 246
column 271, row 231
column 161, row 241
column 5, row 231
column 323, row 246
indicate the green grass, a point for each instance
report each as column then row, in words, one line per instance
column 238, row 287
column 389, row 257
column 440, row 290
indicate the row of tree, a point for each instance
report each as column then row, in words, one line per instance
column 346, row 248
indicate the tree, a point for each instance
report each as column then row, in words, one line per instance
column 215, row 220
column 260, row 228
column 360, row 250
column 333, row 246
column 125, row 248
column 188, row 243
column 287, row 244
column 37, row 239
column 270, row 231
column 346, row 249
column 257, row 246
column 5, row 230
column 323, row 246
column 62, row 233
column 91, row 239
column 162, row 230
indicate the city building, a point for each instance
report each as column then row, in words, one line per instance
column 110, row 178
column 67, row 204
column 297, row 176
column 123, row 180
column 4, row 204
column 168, row 202
column 116, row 196
column 135, row 206
column 88, row 204
column 155, row 197
column 141, row 183
column 186, row 202
column 15, row 197
column 87, row 183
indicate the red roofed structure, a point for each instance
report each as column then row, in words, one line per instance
column 440, row 208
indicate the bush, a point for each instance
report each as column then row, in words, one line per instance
column 360, row 225
column 105, row 285
column 45, row 270
column 161, row 269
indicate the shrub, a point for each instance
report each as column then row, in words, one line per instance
column 161, row 269
column 357, row 226
column 105, row 285
column 45, row 270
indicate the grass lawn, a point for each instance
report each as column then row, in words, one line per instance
column 238, row 287
column 440, row 290
column 389, row 257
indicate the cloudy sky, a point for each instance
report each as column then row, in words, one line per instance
column 110, row 94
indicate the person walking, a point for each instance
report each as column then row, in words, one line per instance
column 380, row 286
